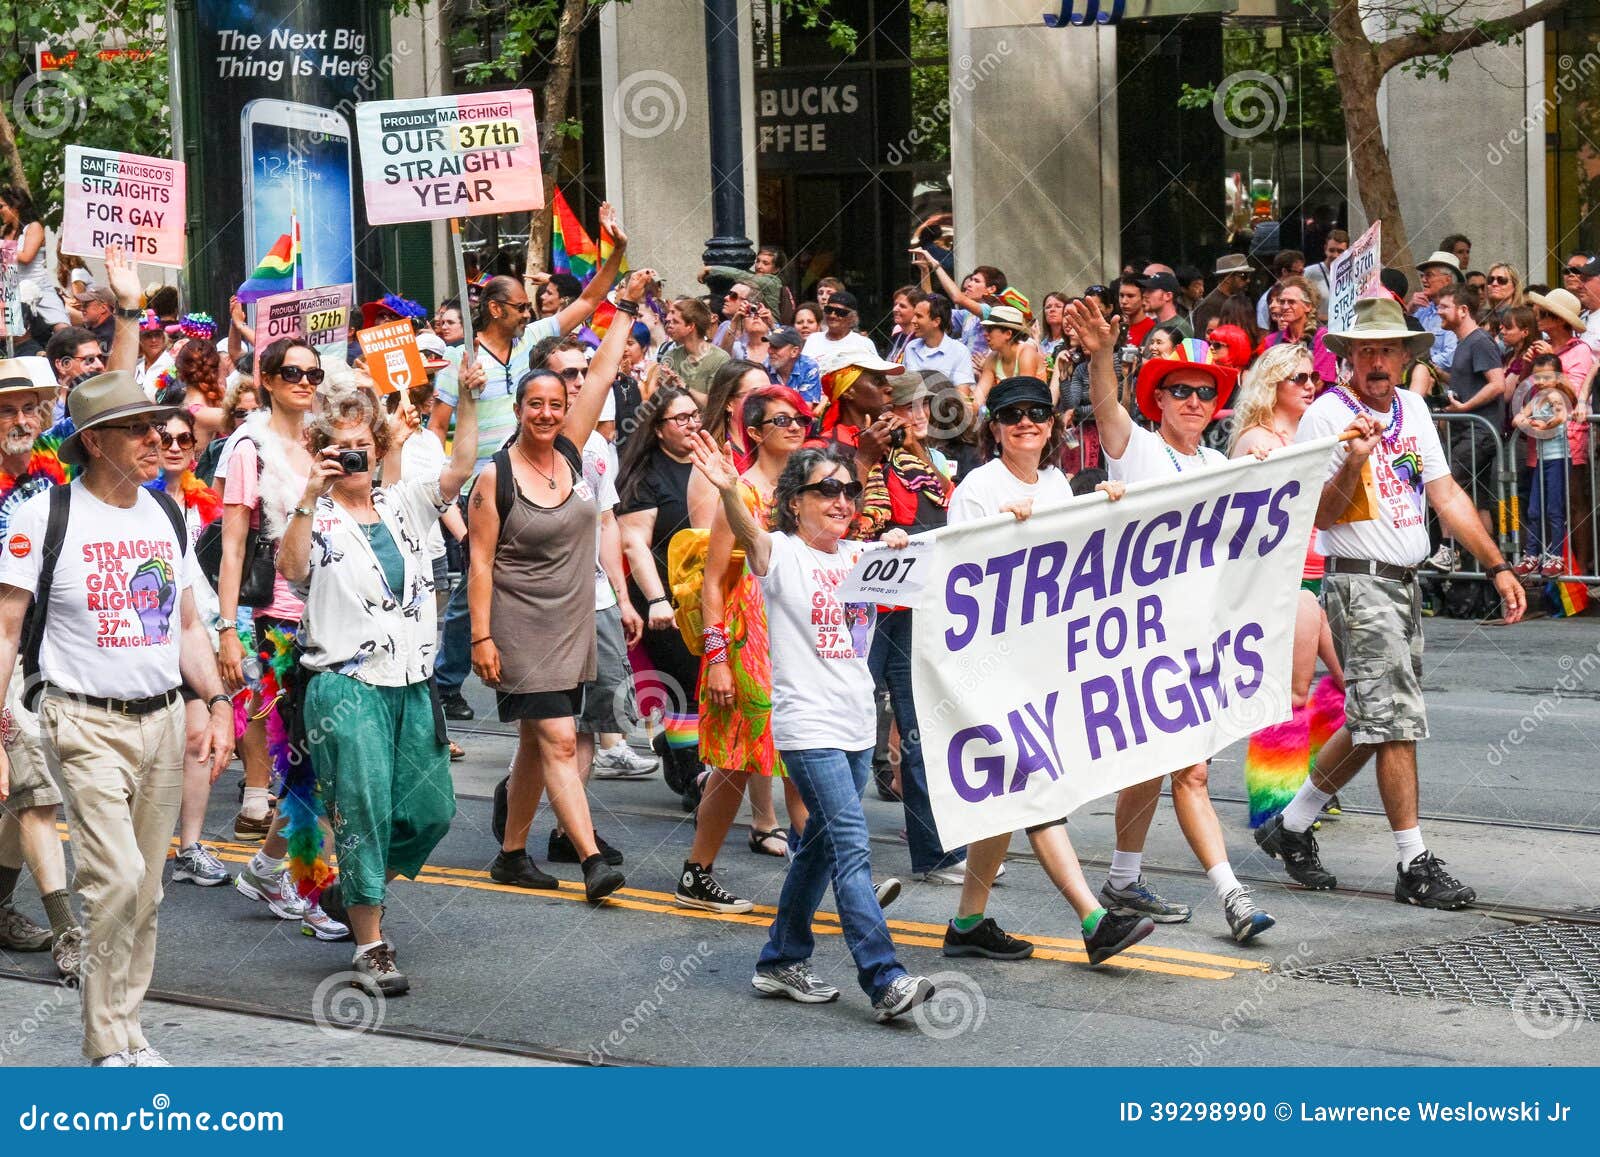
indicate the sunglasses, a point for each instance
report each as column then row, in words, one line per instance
column 1499, row 280
column 294, row 374
column 519, row 306
column 1574, row 270
column 837, row 311
column 1302, row 379
column 184, row 441
column 831, row 488
column 782, row 421
column 572, row 374
column 134, row 429
column 240, row 413
column 1204, row 393
column 682, row 421
column 1011, row 415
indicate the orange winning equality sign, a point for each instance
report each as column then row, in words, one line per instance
column 393, row 359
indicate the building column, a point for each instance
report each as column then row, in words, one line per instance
column 1033, row 146
column 419, row 68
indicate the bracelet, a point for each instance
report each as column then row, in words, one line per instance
column 301, row 512
column 715, row 645
column 218, row 698
column 659, row 599
column 485, row 639
column 130, row 314
column 631, row 308
column 228, row 627
column 1497, row 568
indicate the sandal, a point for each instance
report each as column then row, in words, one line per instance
column 760, row 839
column 456, row 753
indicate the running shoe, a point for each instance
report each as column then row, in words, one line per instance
column 456, row 708
column 600, row 879
column 1551, row 567
column 901, row 995
column 1137, row 897
column 1444, row 559
column 697, row 888
column 252, row 831
column 516, row 869
column 148, row 1058
column 623, row 762
column 1526, row 567
column 1116, row 931
column 19, row 934
column 1425, row 883
column 377, row 972
column 117, row 1060
column 198, row 864
column 277, row 891
column 955, row 874
column 67, row 952
column 1244, row 918
column 562, row 850
column 1333, row 809
column 1298, row 851
column 796, row 981
column 318, row 923
column 985, row 939
column 887, row 892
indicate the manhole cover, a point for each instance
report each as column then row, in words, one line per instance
column 1548, row 973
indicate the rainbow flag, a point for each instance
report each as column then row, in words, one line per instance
column 681, row 730
column 572, row 250
column 1567, row 598
column 279, row 271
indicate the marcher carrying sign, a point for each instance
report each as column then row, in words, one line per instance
column 1061, row 659
column 1354, row 274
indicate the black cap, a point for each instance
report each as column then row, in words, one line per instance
column 1592, row 269
column 1159, row 281
column 844, row 299
column 1018, row 391
column 785, row 335
column 1394, row 281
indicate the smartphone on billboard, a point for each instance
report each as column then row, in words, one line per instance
column 297, row 170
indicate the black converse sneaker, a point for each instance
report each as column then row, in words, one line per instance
column 1425, row 883
column 1298, row 851
column 697, row 888
column 985, row 939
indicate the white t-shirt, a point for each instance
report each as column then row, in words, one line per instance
column 1399, row 535
column 1591, row 333
column 113, row 628
column 819, row 345
column 992, row 485
column 600, row 472
column 423, row 456
column 1147, row 455
column 821, row 689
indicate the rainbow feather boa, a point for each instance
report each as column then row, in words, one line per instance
column 194, row 495
column 44, row 461
column 1280, row 757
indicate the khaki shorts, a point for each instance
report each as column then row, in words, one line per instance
column 1377, row 631
column 31, row 783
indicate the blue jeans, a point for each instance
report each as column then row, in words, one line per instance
column 455, row 652
column 890, row 663
column 833, row 846
column 1547, row 508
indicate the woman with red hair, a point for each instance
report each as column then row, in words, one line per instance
column 1230, row 346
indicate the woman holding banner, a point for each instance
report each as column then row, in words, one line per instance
column 823, row 722
column 1182, row 394
column 1022, row 438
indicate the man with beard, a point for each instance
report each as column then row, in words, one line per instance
column 1372, row 600
column 28, row 813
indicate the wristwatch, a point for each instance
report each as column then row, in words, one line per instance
column 129, row 314
column 1497, row 568
column 302, row 511
column 217, row 698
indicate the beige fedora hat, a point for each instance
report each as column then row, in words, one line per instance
column 1380, row 319
column 102, row 399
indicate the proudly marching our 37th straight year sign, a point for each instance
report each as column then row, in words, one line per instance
column 1101, row 644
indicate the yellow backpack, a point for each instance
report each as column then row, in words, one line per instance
column 686, row 576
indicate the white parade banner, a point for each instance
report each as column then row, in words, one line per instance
column 1101, row 644
column 1353, row 274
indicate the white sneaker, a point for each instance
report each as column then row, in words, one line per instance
column 148, row 1058
column 277, row 891
column 623, row 762
column 318, row 923
column 1443, row 559
column 117, row 1060
column 956, row 874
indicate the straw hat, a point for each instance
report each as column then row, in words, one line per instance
column 1006, row 317
column 1379, row 319
column 1440, row 257
column 1563, row 303
column 27, row 375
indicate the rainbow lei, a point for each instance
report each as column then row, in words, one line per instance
column 43, row 462
column 194, row 494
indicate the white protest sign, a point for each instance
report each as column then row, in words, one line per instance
column 892, row 578
column 319, row 316
column 450, row 156
column 1100, row 644
column 123, row 199
column 1353, row 272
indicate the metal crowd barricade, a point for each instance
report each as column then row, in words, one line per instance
column 1579, row 503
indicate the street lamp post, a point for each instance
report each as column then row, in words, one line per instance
column 728, row 245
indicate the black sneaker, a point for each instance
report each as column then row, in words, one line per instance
column 1117, row 930
column 985, row 939
column 501, row 808
column 1426, row 884
column 1298, row 851
column 516, row 869
column 562, row 850
column 600, row 879
column 697, row 888
column 455, row 707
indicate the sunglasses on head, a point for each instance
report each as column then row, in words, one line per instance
column 184, row 441
column 782, row 421
column 293, row 375
column 831, row 488
column 1179, row 393
column 1011, row 415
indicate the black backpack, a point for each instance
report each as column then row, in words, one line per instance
column 505, row 483
column 55, row 533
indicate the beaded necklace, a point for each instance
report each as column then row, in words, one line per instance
column 1397, row 416
column 1176, row 465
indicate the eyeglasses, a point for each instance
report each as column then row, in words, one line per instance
column 11, row 414
column 184, row 441
column 1497, row 279
column 134, row 429
column 91, row 359
column 1301, row 379
column 837, row 311
column 1179, row 393
column 294, row 374
column 831, row 488
column 519, row 306
column 686, row 421
column 1011, row 415
column 1293, row 301
column 782, row 421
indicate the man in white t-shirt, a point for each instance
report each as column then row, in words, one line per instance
column 117, row 634
column 1181, row 394
column 838, row 334
column 1394, row 462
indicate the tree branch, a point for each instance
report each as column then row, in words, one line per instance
column 1399, row 49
